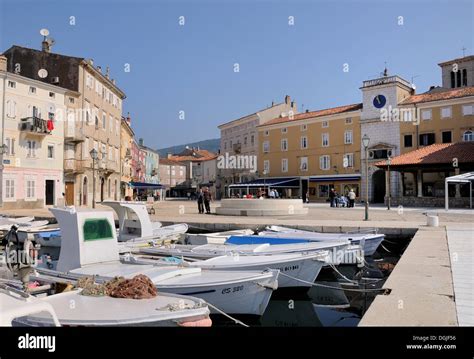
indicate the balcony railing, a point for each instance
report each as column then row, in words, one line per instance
column 34, row 125
column 73, row 135
column 71, row 165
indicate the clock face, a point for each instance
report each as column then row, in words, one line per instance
column 379, row 101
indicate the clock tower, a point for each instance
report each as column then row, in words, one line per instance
column 381, row 96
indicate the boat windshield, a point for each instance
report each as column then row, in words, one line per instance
column 97, row 229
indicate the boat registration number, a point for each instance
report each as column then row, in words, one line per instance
column 232, row 290
column 289, row 268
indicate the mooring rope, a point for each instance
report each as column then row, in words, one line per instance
column 331, row 287
column 342, row 275
column 227, row 315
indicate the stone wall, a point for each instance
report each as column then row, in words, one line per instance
column 462, row 202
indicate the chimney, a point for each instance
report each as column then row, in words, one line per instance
column 107, row 72
column 273, row 103
column 307, row 110
column 140, row 141
column 287, row 99
column 45, row 46
column 3, row 63
column 128, row 119
column 293, row 104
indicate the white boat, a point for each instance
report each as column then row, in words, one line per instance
column 215, row 238
column 296, row 269
column 46, row 236
column 163, row 310
column 22, row 222
column 89, row 247
column 369, row 241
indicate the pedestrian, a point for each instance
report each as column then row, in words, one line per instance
column 272, row 193
column 332, row 197
column 207, row 200
column 200, row 201
column 189, row 195
column 307, row 197
column 352, row 197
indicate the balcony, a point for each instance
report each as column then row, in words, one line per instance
column 73, row 166
column 34, row 125
column 73, row 135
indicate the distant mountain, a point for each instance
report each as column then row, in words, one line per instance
column 210, row 145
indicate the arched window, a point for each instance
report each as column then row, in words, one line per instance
column 468, row 136
column 458, row 78
column 453, row 80
column 464, row 77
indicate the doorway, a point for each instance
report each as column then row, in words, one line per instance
column 69, row 193
column 102, row 185
column 378, row 184
column 49, row 192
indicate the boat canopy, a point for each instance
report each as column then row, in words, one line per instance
column 280, row 182
column 145, row 185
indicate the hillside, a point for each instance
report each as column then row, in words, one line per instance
column 210, row 145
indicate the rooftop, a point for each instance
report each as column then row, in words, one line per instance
column 313, row 114
column 193, row 155
column 439, row 95
column 438, row 153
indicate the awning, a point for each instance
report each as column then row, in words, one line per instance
column 281, row 182
column 335, row 178
column 462, row 178
column 144, row 185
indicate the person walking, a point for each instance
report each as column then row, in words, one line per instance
column 200, row 201
column 332, row 197
column 207, row 200
column 352, row 197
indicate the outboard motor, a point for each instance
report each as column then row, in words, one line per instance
column 20, row 258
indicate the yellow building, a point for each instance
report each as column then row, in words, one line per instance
column 319, row 149
column 126, row 140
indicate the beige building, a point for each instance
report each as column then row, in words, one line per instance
column 126, row 142
column 312, row 152
column 240, row 138
column 172, row 176
column 32, row 130
column 93, row 120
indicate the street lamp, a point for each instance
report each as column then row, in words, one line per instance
column 94, row 156
column 389, row 162
column 365, row 143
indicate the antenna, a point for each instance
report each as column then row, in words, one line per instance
column 44, row 32
column 463, row 51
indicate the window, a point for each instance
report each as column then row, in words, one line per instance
column 467, row 110
column 284, row 144
column 88, row 113
column 71, row 100
column 325, row 139
column 245, row 140
column 325, row 124
column 304, row 142
column 446, row 112
column 10, row 143
column 303, row 163
column 252, row 140
column 447, row 136
column 407, row 116
column 225, row 145
column 266, row 146
column 453, row 79
column 12, row 84
column 304, row 127
column 104, row 121
column 348, row 160
column 323, row 190
column 52, row 95
column 464, row 77
column 11, row 108
column 468, row 136
column 266, row 133
column 111, row 153
column 426, row 115
column 10, row 189
column 50, row 151
column 284, row 130
column 348, row 137
column 427, row 139
column 324, row 162
column 30, row 189
column 117, row 127
column 348, row 121
column 32, row 90
column 266, row 166
column 97, row 229
column 408, row 141
column 284, row 165
column 31, row 146
column 458, row 78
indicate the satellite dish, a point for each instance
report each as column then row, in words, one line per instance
column 44, row 32
column 43, row 73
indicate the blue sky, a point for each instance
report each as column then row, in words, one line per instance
column 191, row 68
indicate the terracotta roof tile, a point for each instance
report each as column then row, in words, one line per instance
column 312, row 114
column 193, row 155
column 439, row 153
column 170, row 162
column 439, row 95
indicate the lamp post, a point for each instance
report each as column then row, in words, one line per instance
column 94, row 156
column 365, row 143
column 264, row 182
column 389, row 161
